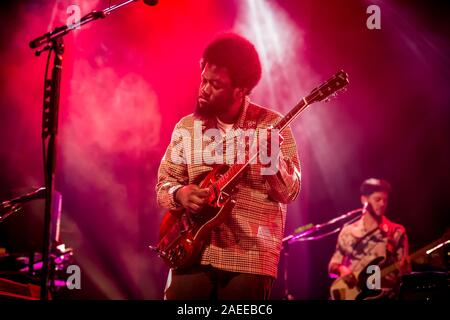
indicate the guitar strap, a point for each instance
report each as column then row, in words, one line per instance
column 392, row 244
column 358, row 242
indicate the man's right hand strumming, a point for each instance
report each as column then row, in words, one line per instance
column 192, row 197
column 348, row 276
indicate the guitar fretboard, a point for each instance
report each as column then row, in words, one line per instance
column 229, row 176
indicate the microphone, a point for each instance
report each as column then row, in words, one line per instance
column 36, row 194
column 365, row 206
column 151, row 2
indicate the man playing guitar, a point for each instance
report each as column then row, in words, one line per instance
column 362, row 245
column 240, row 256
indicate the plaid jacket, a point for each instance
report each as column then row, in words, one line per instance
column 249, row 241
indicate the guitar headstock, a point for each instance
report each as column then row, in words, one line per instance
column 329, row 88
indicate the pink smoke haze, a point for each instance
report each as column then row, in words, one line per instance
column 129, row 78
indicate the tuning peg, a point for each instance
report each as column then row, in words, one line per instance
column 330, row 97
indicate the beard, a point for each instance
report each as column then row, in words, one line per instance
column 376, row 214
column 214, row 108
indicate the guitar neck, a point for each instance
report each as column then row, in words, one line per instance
column 291, row 115
column 234, row 171
column 412, row 257
column 228, row 177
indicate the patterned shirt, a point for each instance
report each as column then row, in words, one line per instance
column 249, row 241
column 357, row 247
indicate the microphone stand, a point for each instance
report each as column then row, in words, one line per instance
column 53, row 42
column 12, row 206
column 306, row 233
column 287, row 295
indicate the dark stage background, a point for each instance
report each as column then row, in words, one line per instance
column 129, row 78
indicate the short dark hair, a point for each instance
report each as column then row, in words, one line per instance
column 372, row 185
column 236, row 54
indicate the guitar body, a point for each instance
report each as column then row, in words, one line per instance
column 183, row 234
column 340, row 290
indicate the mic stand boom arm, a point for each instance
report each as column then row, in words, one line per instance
column 13, row 205
column 308, row 230
column 318, row 227
column 61, row 31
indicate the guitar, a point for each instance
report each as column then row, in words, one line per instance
column 183, row 234
column 340, row 290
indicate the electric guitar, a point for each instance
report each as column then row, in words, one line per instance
column 183, row 234
column 340, row 290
